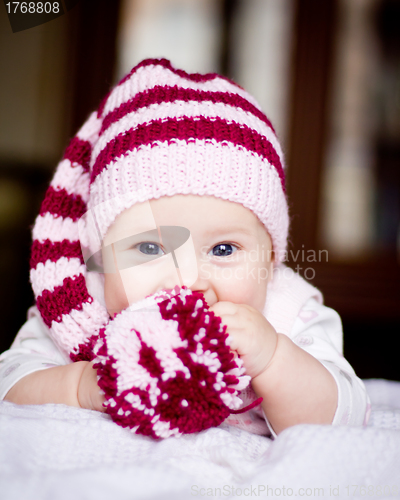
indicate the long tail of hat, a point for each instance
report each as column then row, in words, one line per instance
column 141, row 144
column 58, row 273
column 220, row 121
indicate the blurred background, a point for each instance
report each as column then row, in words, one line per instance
column 327, row 73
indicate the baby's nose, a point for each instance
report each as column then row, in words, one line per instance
column 203, row 284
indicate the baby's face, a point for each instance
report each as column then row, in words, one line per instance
column 208, row 244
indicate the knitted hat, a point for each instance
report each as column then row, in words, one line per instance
column 159, row 132
column 163, row 132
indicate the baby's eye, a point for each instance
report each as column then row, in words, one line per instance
column 223, row 250
column 149, row 248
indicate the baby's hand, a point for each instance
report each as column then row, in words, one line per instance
column 90, row 395
column 250, row 334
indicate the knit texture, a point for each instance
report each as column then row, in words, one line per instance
column 159, row 132
column 166, row 368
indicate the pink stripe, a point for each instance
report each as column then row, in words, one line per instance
column 59, row 228
column 188, row 129
column 78, row 151
column 89, row 129
column 195, row 77
column 108, row 376
column 152, row 76
column 52, row 305
column 72, row 178
column 67, row 335
column 179, row 110
column 62, row 204
column 53, row 251
column 50, row 275
column 80, row 324
column 158, row 95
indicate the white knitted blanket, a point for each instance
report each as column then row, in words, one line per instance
column 61, row 453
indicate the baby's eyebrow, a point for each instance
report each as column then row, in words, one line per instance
column 230, row 230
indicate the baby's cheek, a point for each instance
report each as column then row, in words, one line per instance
column 256, row 293
column 248, row 287
column 257, row 287
column 114, row 293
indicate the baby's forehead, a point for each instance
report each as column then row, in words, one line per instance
column 206, row 215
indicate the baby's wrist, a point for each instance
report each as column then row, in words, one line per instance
column 272, row 350
column 89, row 394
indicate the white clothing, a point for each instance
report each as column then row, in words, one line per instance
column 317, row 329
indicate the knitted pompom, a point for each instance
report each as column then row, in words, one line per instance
column 166, row 368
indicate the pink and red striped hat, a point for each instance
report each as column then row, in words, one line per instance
column 159, row 132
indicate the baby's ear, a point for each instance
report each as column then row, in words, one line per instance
column 271, row 267
column 272, row 256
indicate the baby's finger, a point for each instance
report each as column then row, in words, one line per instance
column 224, row 307
column 227, row 320
column 234, row 322
column 237, row 341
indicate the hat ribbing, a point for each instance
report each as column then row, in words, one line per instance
column 159, row 132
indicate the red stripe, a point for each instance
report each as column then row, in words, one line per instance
column 79, row 151
column 186, row 129
column 71, row 295
column 158, row 95
column 53, row 251
column 84, row 351
column 148, row 359
column 62, row 204
column 194, row 77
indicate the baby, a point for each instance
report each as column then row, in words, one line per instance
column 182, row 176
